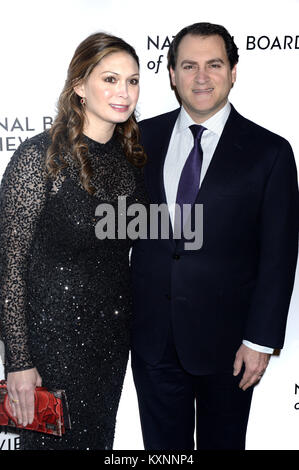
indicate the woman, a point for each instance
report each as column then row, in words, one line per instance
column 65, row 294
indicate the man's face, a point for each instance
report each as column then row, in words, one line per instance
column 202, row 76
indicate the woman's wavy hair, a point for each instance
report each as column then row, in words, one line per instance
column 67, row 129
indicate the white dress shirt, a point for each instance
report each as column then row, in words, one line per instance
column 180, row 145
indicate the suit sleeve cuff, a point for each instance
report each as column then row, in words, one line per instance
column 258, row 347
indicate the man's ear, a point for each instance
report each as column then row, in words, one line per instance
column 234, row 73
column 172, row 76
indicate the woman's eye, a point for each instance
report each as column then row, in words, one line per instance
column 134, row 81
column 110, row 79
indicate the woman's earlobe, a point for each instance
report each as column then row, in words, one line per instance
column 79, row 90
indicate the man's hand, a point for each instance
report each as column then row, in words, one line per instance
column 255, row 365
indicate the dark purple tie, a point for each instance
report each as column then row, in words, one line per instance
column 190, row 176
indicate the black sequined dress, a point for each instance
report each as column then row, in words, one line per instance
column 65, row 294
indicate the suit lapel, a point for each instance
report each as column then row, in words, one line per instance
column 226, row 158
column 157, row 148
column 225, row 161
column 226, row 155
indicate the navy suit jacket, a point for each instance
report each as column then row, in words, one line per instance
column 238, row 285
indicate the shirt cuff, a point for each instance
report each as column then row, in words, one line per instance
column 257, row 347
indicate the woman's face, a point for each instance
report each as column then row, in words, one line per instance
column 111, row 91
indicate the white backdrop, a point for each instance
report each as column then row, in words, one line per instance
column 37, row 41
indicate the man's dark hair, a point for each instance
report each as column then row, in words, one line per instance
column 204, row 29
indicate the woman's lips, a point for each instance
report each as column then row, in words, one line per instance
column 121, row 108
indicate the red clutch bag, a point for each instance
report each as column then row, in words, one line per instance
column 50, row 415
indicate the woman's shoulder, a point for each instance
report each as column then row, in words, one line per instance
column 37, row 142
column 33, row 149
column 30, row 155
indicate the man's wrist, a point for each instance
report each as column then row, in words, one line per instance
column 258, row 347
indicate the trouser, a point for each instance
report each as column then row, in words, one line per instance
column 174, row 403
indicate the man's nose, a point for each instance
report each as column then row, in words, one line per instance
column 201, row 76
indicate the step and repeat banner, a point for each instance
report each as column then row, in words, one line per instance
column 37, row 41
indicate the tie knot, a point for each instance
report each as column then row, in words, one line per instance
column 197, row 131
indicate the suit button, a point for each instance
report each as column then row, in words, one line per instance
column 175, row 256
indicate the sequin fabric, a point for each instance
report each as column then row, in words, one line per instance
column 65, row 294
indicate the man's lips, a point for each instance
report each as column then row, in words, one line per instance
column 121, row 108
column 202, row 91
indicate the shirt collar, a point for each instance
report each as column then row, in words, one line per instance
column 214, row 124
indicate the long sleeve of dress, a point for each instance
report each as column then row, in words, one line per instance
column 22, row 198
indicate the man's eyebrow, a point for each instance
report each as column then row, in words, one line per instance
column 192, row 62
column 211, row 61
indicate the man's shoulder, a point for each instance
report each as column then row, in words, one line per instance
column 158, row 120
column 257, row 131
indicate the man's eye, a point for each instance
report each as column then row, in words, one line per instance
column 189, row 67
column 215, row 66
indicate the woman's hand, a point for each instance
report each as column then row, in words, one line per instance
column 20, row 387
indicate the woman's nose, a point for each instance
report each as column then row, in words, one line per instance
column 123, row 89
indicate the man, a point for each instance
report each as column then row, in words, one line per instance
column 206, row 320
